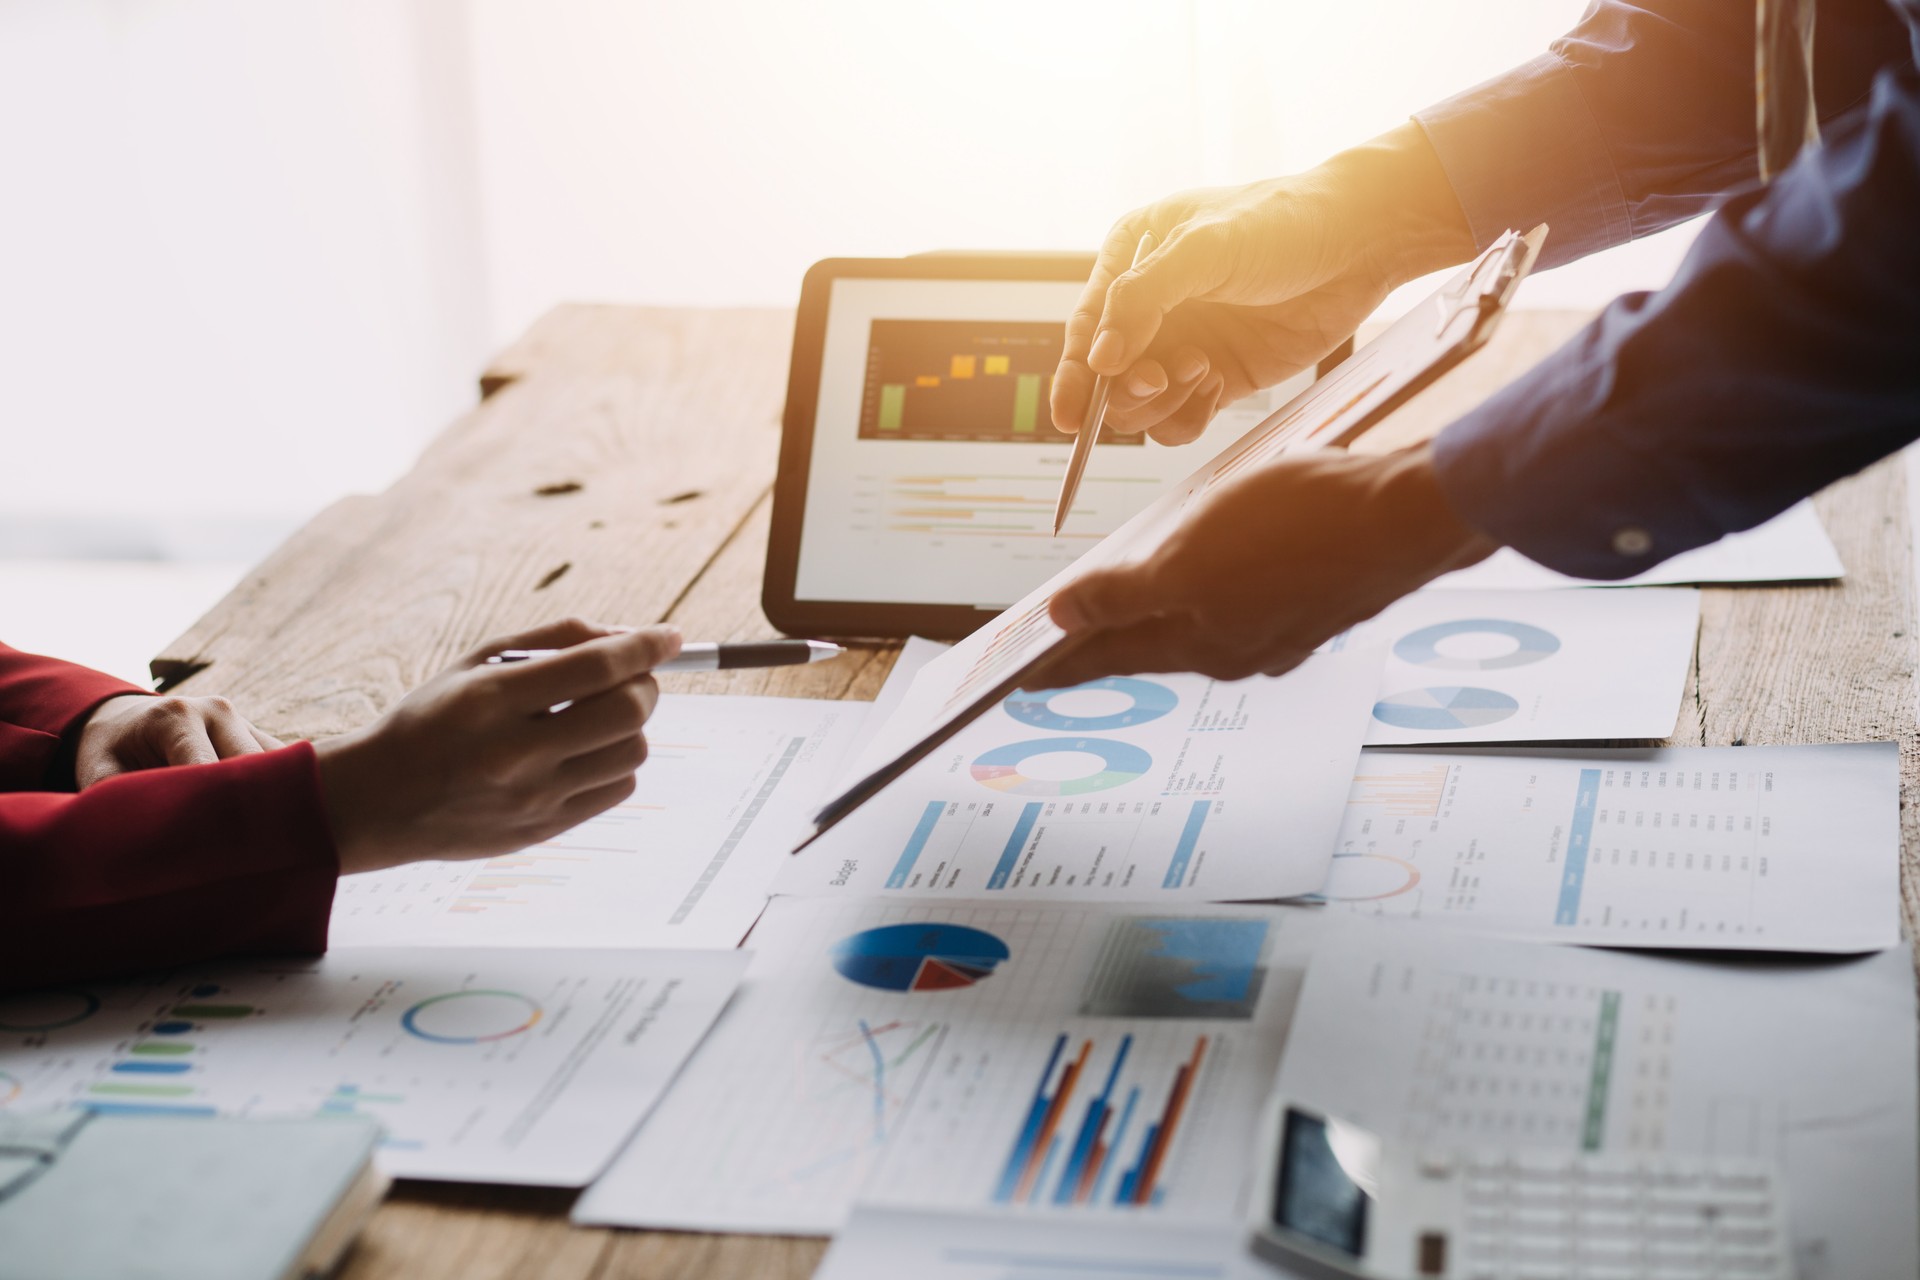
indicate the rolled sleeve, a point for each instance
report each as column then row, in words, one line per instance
column 1523, row 148
column 1780, row 359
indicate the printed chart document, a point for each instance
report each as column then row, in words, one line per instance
column 1518, row 666
column 1073, row 1062
column 1446, row 1040
column 880, row 1243
column 683, row 862
column 1747, row 848
column 1791, row 547
column 1134, row 789
column 526, row 1067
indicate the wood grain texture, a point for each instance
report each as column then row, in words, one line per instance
column 617, row 412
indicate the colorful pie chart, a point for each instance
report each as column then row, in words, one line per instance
column 1114, row 764
column 1445, row 708
column 471, row 1017
column 1513, row 644
column 918, row 957
column 1116, row 702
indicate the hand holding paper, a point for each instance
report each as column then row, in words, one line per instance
column 1266, row 568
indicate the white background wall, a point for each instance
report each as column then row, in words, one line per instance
column 252, row 255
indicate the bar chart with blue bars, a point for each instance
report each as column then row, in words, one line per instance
column 1059, row 844
column 1109, row 1152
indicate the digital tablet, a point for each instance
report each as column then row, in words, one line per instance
column 919, row 464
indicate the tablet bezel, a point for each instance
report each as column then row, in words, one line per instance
column 860, row 619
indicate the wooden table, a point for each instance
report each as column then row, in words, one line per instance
column 618, row 467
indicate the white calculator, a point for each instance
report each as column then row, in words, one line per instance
column 1336, row 1202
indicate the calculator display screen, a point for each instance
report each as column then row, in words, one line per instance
column 1317, row 1194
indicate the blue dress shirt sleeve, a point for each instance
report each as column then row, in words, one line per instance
column 1639, row 118
column 1782, row 357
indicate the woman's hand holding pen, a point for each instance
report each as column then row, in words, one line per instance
column 1249, row 285
column 476, row 762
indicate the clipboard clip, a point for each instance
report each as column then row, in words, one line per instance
column 1486, row 289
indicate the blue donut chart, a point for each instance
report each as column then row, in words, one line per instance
column 1422, row 647
column 1447, row 708
column 1150, row 702
column 1121, row 763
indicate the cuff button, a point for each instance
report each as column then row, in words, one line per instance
column 1632, row 541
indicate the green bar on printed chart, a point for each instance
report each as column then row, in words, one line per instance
column 143, row 1090
column 213, row 1011
column 161, row 1049
column 893, row 399
column 1026, row 403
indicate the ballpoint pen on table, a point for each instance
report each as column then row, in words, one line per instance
column 1090, row 423
column 708, row 656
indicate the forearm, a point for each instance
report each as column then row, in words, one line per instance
column 164, row 867
column 1395, row 187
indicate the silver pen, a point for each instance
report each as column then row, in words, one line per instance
column 709, row 656
column 1090, row 424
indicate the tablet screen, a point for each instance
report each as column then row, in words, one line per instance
column 935, row 463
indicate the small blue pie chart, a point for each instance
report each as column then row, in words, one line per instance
column 1530, row 644
column 1446, row 708
column 1147, row 701
column 1117, row 763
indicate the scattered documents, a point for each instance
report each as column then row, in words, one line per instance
column 1082, row 1063
column 525, row 1067
column 1791, row 547
column 1761, row 848
column 1448, row 1041
column 1163, row 789
column 882, row 1243
column 1531, row 666
column 685, row 861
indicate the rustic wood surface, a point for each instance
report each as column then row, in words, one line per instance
column 618, row 467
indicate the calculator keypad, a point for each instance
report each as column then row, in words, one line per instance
column 1539, row 1217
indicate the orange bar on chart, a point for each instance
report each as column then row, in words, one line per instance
column 961, row 367
column 927, row 380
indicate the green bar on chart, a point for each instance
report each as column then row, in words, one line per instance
column 1026, row 403
column 142, row 1090
column 213, row 1011
column 893, row 400
column 161, row 1049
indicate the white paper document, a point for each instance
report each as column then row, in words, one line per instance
column 1532, row 666
column 1791, row 547
column 1158, row 789
column 1069, row 1062
column 1742, row 848
column 880, row 1243
column 525, row 1067
column 1447, row 1041
column 685, row 861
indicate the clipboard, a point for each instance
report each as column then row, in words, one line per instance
column 1349, row 400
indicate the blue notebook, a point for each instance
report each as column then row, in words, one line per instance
column 90, row 1197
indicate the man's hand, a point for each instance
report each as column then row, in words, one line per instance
column 1266, row 569
column 1249, row 285
column 477, row 762
column 138, row 731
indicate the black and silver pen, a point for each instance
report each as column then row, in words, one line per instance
column 709, row 656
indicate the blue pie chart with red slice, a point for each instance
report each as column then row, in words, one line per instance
column 918, row 957
column 1104, row 763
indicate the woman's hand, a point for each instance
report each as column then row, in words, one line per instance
column 1249, row 285
column 139, row 731
column 485, row 759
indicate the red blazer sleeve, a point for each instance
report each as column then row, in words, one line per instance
column 149, row 869
column 41, row 700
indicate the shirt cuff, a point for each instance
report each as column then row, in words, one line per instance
column 1537, row 467
column 1523, row 148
